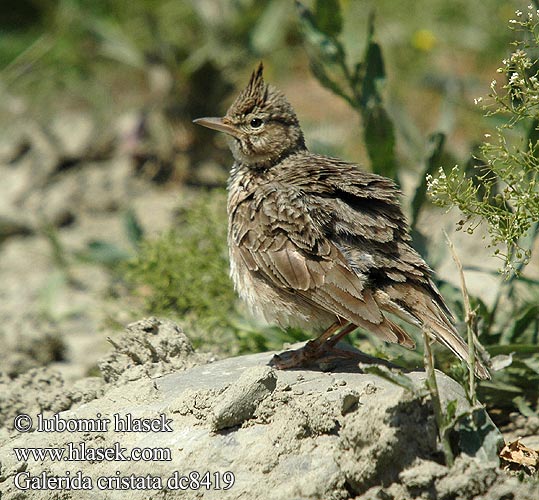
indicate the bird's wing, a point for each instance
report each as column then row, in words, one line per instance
column 279, row 241
column 367, row 224
column 368, row 227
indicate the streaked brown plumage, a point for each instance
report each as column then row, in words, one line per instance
column 316, row 242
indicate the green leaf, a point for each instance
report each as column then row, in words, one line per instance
column 374, row 77
column 524, row 407
column 374, row 67
column 321, row 75
column 478, row 437
column 379, row 135
column 102, row 252
column 435, row 147
column 326, row 54
column 529, row 316
column 378, row 128
column 448, row 415
column 329, row 16
column 532, row 363
column 502, row 387
column 494, row 350
column 320, row 46
column 134, row 230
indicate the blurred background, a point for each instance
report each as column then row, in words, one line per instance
column 112, row 203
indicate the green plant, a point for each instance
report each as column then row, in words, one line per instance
column 502, row 188
column 111, row 255
column 360, row 82
column 81, row 45
column 170, row 61
column 184, row 271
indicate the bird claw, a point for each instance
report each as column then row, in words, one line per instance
column 309, row 353
column 284, row 361
column 291, row 359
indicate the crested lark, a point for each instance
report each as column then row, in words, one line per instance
column 315, row 242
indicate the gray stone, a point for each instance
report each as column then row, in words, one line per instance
column 239, row 402
column 297, row 434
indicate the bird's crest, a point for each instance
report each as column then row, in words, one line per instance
column 253, row 96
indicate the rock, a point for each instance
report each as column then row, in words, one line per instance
column 422, row 474
column 468, row 479
column 239, row 402
column 37, row 343
column 150, row 347
column 298, row 434
column 13, row 144
column 37, row 390
column 11, row 226
column 381, row 439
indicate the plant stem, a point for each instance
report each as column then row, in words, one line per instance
column 470, row 324
column 432, row 386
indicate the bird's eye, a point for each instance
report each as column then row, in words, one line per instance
column 256, row 123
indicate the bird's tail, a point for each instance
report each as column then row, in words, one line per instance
column 426, row 308
column 445, row 333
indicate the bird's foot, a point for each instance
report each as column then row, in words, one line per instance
column 297, row 357
column 309, row 353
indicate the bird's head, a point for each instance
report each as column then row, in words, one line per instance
column 261, row 124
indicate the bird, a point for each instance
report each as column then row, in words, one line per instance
column 318, row 243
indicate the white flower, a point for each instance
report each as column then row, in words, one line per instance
column 518, row 13
column 477, row 100
column 487, row 136
column 517, row 55
column 432, row 183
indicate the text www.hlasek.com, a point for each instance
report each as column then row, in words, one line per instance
column 77, row 452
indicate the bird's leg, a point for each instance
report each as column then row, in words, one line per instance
column 314, row 349
column 349, row 328
column 290, row 359
column 316, row 344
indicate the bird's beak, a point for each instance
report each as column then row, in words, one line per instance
column 218, row 124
